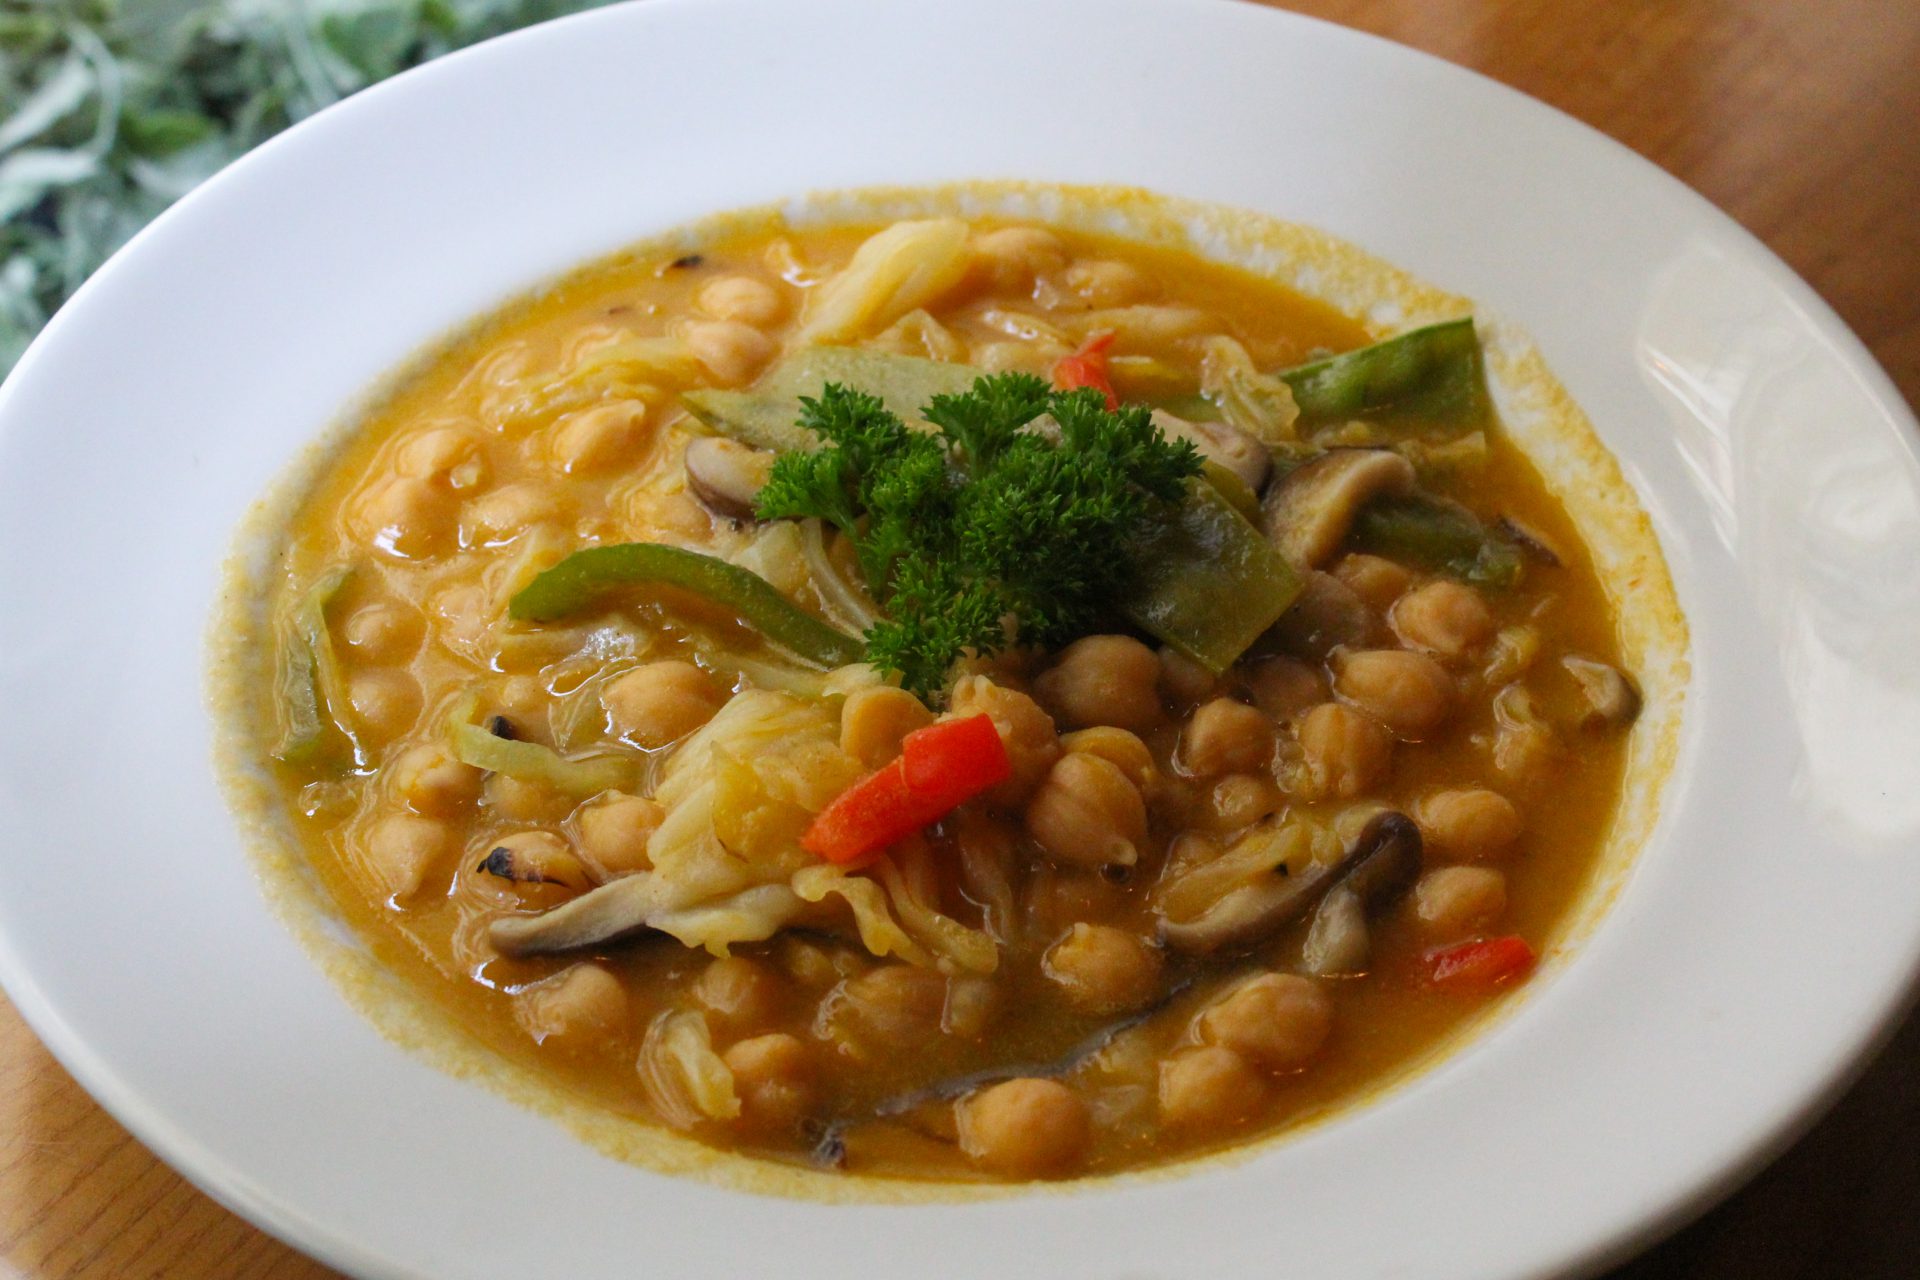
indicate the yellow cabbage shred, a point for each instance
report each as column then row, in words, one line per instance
column 685, row 1080
column 727, row 863
column 898, row 270
column 1190, row 892
column 1257, row 403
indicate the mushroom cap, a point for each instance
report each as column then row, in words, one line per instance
column 1381, row 864
column 725, row 475
column 1309, row 512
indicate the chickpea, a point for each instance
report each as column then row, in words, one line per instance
column 1453, row 902
column 1284, row 687
column 813, row 965
column 1345, row 752
column 676, row 516
column 972, row 1006
column 874, row 721
column 430, row 781
column 614, row 833
column 407, row 517
column 1375, row 579
column 743, row 299
column 731, row 351
column 1209, row 1087
column 445, row 455
column 1087, row 813
column 383, row 632
column 1442, row 617
column 1103, row 680
column 1026, row 1128
column 1122, row 748
column 1182, row 679
column 1472, row 825
column 1105, row 282
column 1240, row 800
column 1025, row 729
column 1103, row 969
column 385, row 700
column 1012, row 257
column 509, row 511
column 660, row 702
column 1224, row 736
column 528, row 859
column 401, row 850
column 522, row 697
column 1407, row 692
column 599, row 439
column 1278, row 1021
column 1057, row 898
column 742, row 996
column 887, row 1006
column 582, row 1006
column 773, row 1078
column 522, row 800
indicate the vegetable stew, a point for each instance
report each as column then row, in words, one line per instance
column 948, row 700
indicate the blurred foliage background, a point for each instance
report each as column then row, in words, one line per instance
column 110, row 110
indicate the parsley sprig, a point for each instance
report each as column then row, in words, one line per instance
column 1014, row 518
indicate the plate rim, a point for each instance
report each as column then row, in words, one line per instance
column 182, row 1151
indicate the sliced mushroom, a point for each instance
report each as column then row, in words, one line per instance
column 1338, row 940
column 1227, row 445
column 1382, row 862
column 1537, row 546
column 830, row 1143
column 1327, row 614
column 726, row 475
column 1309, row 512
column 1612, row 701
column 613, row 911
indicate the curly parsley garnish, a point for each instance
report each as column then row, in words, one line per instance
column 1015, row 517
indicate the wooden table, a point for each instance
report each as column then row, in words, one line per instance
column 1803, row 121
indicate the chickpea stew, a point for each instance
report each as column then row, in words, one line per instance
column 952, row 700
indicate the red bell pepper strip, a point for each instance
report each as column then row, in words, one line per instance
column 938, row 768
column 1088, row 367
column 1484, row 962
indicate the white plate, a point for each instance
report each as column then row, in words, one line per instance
column 1765, row 940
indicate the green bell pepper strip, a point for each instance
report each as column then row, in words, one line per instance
column 1228, row 484
column 583, row 578
column 580, row 778
column 308, row 683
column 1439, row 535
column 765, row 416
column 1433, row 373
column 1206, row 581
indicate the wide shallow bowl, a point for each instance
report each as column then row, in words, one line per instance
column 1763, row 943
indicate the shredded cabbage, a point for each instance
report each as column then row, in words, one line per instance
column 896, row 271
column 727, row 866
column 752, row 915
column 685, row 1080
column 1258, row 403
column 892, row 921
column 846, row 602
column 1189, row 892
column 917, row 333
column 580, row 777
